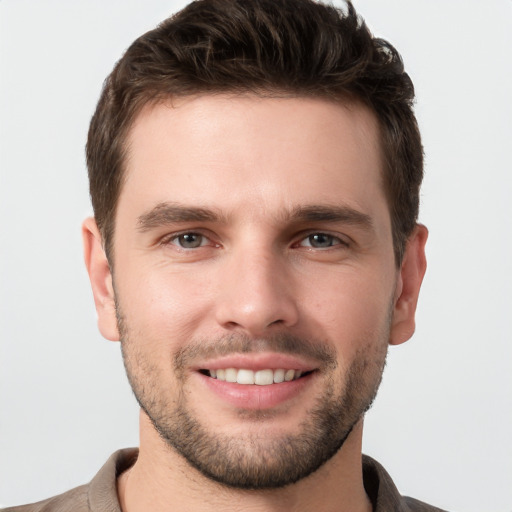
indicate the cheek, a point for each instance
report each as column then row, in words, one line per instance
column 350, row 311
column 162, row 304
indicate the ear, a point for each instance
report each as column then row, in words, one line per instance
column 101, row 280
column 411, row 275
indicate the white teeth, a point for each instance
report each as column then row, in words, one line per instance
column 288, row 376
column 245, row 377
column 278, row 376
column 231, row 374
column 260, row 377
column 264, row 377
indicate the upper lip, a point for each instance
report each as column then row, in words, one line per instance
column 257, row 361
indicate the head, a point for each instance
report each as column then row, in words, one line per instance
column 269, row 48
column 254, row 169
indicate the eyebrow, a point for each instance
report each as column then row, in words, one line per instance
column 331, row 213
column 168, row 213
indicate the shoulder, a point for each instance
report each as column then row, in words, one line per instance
column 99, row 494
column 418, row 506
column 383, row 493
column 74, row 500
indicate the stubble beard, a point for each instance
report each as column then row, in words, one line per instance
column 252, row 461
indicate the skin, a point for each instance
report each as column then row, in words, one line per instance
column 256, row 274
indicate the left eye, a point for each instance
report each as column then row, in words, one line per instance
column 320, row 241
column 190, row 240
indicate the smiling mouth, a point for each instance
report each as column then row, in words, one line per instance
column 265, row 377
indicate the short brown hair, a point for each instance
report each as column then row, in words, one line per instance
column 295, row 47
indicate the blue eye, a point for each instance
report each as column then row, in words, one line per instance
column 320, row 241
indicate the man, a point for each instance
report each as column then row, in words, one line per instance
column 254, row 171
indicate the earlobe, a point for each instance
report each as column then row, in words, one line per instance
column 412, row 270
column 100, row 276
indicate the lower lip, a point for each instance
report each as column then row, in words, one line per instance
column 254, row 397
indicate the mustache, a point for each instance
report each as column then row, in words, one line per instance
column 240, row 343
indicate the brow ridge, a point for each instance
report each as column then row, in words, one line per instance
column 165, row 213
column 331, row 213
column 168, row 213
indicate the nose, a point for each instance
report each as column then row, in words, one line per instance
column 256, row 294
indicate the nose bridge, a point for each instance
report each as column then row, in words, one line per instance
column 256, row 291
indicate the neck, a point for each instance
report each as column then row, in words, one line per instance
column 161, row 476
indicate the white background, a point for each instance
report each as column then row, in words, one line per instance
column 443, row 420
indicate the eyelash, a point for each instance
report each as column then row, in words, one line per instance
column 335, row 241
column 175, row 238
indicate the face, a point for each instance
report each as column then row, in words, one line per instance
column 255, row 284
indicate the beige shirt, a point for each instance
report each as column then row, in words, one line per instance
column 100, row 495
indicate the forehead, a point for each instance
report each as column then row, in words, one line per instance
column 253, row 154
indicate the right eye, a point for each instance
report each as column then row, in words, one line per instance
column 189, row 240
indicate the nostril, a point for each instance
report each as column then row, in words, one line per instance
column 232, row 325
